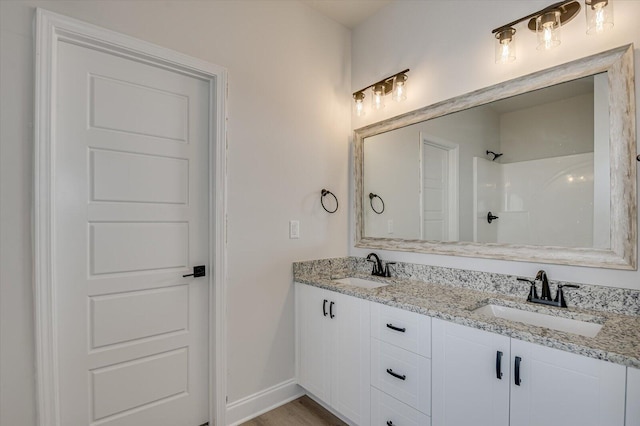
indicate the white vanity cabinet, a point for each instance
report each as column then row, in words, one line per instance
column 538, row 386
column 333, row 350
column 633, row 397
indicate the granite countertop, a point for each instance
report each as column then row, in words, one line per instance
column 618, row 341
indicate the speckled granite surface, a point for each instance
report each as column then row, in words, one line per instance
column 452, row 294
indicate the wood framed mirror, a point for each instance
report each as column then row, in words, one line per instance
column 558, row 193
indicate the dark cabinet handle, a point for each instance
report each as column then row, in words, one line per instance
column 389, row 423
column 331, row 310
column 396, row 375
column 401, row 330
column 517, row 371
column 499, row 365
column 324, row 307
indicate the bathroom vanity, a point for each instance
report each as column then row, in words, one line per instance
column 446, row 347
column 417, row 351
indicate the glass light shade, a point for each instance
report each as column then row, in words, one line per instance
column 548, row 30
column 359, row 98
column 377, row 100
column 505, row 46
column 400, row 88
column 599, row 15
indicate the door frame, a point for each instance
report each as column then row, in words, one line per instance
column 52, row 28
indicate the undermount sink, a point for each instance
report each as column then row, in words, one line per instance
column 359, row 282
column 583, row 328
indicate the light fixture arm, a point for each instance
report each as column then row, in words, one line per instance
column 533, row 15
column 386, row 82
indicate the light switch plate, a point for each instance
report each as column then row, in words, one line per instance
column 294, row 229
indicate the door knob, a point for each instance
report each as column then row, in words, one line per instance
column 198, row 271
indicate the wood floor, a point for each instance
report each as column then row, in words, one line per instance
column 300, row 412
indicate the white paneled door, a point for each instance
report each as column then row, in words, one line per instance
column 130, row 218
column 435, row 188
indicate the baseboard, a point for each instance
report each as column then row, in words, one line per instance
column 329, row 409
column 252, row 406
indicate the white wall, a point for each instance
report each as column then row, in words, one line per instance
column 553, row 129
column 449, row 48
column 392, row 171
column 288, row 133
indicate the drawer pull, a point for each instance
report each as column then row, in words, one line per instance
column 517, row 372
column 499, row 365
column 396, row 375
column 390, row 423
column 331, row 310
column 401, row 330
column 324, row 307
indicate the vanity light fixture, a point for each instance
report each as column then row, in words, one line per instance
column 377, row 100
column 548, row 29
column 506, row 45
column 396, row 84
column 359, row 98
column 546, row 24
column 599, row 15
column 399, row 88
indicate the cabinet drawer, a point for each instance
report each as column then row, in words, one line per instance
column 401, row 374
column 387, row 411
column 408, row 330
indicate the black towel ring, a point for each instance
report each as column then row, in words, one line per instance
column 326, row 192
column 371, row 197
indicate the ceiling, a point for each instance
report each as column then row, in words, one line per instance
column 347, row 12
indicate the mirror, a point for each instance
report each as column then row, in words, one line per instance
column 540, row 168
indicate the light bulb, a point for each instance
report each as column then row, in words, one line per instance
column 359, row 98
column 548, row 36
column 599, row 15
column 548, row 30
column 505, row 46
column 400, row 88
column 378, row 96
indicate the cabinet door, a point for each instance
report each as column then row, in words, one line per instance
column 466, row 389
column 633, row 397
column 312, row 328
column 559, row 388
column 350, row 383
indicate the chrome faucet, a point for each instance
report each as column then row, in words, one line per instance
column 545, row 298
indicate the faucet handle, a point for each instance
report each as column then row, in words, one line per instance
column 387, row 273
column 533, row 293
column 560, row 300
